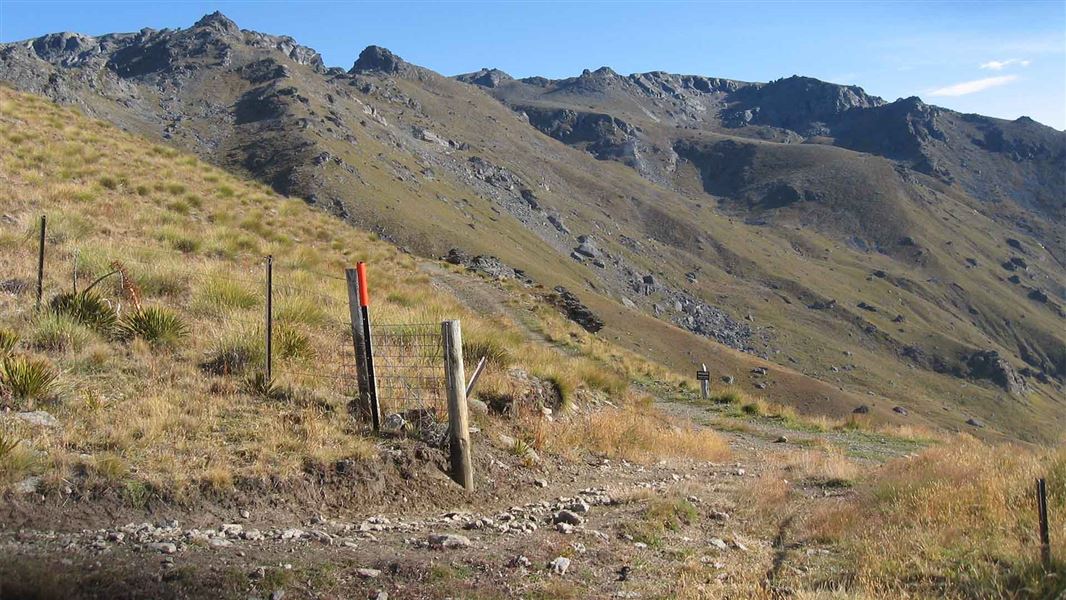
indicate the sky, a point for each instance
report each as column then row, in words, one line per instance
column 1003, row 59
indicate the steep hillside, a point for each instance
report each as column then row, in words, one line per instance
column 147, row 380
column 859, row 275
column 640, row 118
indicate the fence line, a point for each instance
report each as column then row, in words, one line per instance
column 415, row 374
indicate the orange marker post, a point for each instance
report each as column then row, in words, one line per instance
column 364, row 308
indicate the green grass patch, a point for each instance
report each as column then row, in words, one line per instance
column 27, row 379
column 154, row 324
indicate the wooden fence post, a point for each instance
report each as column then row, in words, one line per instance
column 1041, row 507
column 40, row 263
column 477, row 373
column 705, row 384
column 269, row 316
column 458, row 425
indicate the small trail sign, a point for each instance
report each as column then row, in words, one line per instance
column 704, row 377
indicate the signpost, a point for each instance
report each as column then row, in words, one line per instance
column 704, row 377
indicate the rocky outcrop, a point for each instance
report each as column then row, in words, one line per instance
column 801, row 104
column 489, row 266
column 489, row 78
column 375, row 59
column 575, row 310
column 600, row 134
column 988, row 364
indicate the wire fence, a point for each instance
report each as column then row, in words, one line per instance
column 409, row 370
column 308, row 325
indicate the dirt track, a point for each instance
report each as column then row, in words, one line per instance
column 124, row 558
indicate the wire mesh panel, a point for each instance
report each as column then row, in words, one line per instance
column 409, row 372
column 312, row 341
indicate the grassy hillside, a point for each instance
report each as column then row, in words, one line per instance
column 757, row 229
column 145, row 416
column 167, row 395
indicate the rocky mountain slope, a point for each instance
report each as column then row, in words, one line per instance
column 903, row 254
column 646, row 120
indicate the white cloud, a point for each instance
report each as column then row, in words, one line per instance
column 999, row 65
column 970, row 87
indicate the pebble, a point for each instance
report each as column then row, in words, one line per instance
column 448, row 540
column 567, row 516
column 322, row 536
column 580, row 507
column 560, row 565
column 368, row 573
column 164, row 547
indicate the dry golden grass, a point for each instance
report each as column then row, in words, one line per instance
column 192, row 239
column 633, row 432
column 956, row 520
column 827, row 467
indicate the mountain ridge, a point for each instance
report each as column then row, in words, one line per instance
column 704, row 225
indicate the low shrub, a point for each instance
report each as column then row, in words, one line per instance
column 27, row 379
column 233, row 354
column 8, row 340
column 87, row 308
column 55, row 332
column 292, row 343
column 492, row 351
column 155, row 325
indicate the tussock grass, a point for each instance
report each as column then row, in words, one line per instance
column 154, row 324
column 16, row 459
column 956, row 520
column 235, row 352
column 293, row 343
column 493, row 351
column 218, row 295
column 57, row 332
column 660, row 514
column 826, row 468
column 27, row 379
column 632, row 432
column 8, row 340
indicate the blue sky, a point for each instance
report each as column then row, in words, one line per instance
column 1004, row 59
